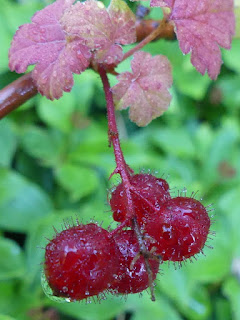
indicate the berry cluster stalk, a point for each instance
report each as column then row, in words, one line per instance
column 121, row 166
column 124, row 171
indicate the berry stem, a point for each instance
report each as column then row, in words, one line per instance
column 146, row 255
column 121, row 166
column 124, row 170
column 113, row 136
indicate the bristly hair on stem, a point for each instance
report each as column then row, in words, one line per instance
column 125, row 172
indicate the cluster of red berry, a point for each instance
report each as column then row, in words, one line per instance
column 86, row 260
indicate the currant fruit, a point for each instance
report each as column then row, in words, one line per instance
column 135, row 279
column 80, row 262
column 181, row 228
column 148, row 195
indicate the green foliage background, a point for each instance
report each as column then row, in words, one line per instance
column 55, row 163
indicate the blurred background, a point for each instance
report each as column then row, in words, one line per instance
column 55, row 163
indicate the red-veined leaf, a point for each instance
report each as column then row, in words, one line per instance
column 201, row 27
column 145, row 90
column 45, row 43
column 103, row 30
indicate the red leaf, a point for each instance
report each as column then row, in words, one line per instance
column 103, row 30
column 201, row 27
column 123, row 22
column 145, row 90
column 45, row 43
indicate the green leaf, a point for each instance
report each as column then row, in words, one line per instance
column 106, row 310
column 91, row 140
column 6, row 296
column 221, row 149
column 84, row 89
column 5, row 317
column 45, row 145
column 15, row 302
column 22, row 203
column 79, row 181
column 191, row 299
column 90, row 146
column 231, row 57
column 58, row 113
column 71, row 110
column 12, row 262
column 8, row 142
column 230, row 91
column 229, row 203
column 9, row 23
column 231, row 289
column 174, row 141
column 5, row 40
column 203, row 138
column 223, row 309
column 184, row 75
column 143, row 308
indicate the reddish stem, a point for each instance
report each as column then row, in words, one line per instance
column 146, row 27
column 146, row 255
column 16, row 93
column 123, row 169
column 156, row 33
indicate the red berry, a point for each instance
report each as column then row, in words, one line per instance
column 80, row 262
column 149, row 187
column 180, row 230
column 133, row 280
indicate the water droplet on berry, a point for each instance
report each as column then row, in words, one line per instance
column 80, row 265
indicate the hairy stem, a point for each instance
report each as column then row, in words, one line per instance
column 16, row 93
column 156, row 33
column 146, row 255
column 121, row 166
column 123, row 169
